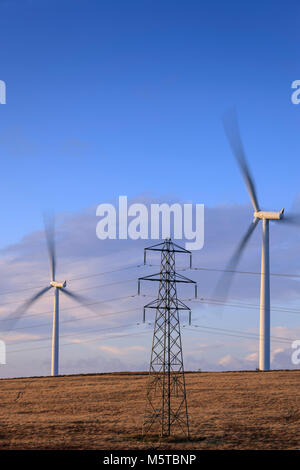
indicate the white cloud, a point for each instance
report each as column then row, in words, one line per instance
column 282, row 359
column 252, row 357
column 121, row 351
column 81, row 254
column 230, row 362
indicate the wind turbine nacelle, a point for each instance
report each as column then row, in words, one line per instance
column 269, row 215
column 58, row 284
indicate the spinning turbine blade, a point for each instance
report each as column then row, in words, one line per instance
column 80, row 299
column 225, row 280
column 232, row 132
column 22, row 309
column 291, row 219
column 50, row 234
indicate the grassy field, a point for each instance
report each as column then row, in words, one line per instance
column 228, row 410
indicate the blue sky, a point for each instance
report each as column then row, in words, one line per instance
column 110, row 98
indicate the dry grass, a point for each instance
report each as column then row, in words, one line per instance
column 230, row 410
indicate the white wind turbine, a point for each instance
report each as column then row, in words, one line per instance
column 232, row 131
column 58, row 287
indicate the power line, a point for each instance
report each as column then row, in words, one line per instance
column 81, row 342
column 240, row 336
column 71, row 308
column 196, row 268
column 218, row 331
column 258, row 273
column 242, row 333
column 239, row 305
column 76, row 319
column 131, row 280
column 77, row 290
column 242, row 305
column 99, row 316
column 72, row 279
column 73, row 334
column 203, row 300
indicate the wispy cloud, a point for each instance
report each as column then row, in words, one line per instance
column 106, row 273
column 121, row 351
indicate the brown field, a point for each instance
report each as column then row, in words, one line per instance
column 228, row 410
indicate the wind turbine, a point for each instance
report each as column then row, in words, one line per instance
column 232, row 131
column 58, row 288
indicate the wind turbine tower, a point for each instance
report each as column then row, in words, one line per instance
column 58, row 287
column 233, row 135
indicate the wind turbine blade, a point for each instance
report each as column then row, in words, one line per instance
column 79, row 298
column 224, row 283
column 50, row 237
column 232, row 132
column 291, row 219
column 24, row 307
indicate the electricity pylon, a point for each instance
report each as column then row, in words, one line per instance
column 166, row 405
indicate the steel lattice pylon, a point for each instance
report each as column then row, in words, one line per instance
column 166, row 405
